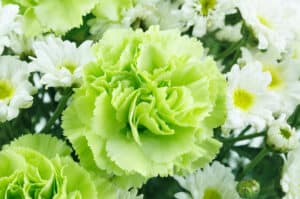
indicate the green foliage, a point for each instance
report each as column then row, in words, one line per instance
column 160, row 188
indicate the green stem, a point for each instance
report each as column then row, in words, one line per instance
column 233, row 47
column 254, row 162
column 296, row 115
column 59, row 109
column 245, row 137
column 232, row 62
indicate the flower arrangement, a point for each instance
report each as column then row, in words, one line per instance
column 132, row 99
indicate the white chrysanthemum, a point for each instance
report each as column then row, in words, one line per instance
column 215, row 181
column 270, row 21
column 60, row 61
column 281, row 136
column 285, row 76
column 15, row 88
column 8, row 15
column 166, row 14
column 248, row 98
column 290, row 181
column 142, row 14
column 206, row 15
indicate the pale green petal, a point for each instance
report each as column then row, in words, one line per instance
column 10, row 162
column 119, row 150
column 71, row 11
column 165, row 148
column 65, row 14
column 78, row 179
column 111, row 9
column 45, row 144
column 31, row 25
column 28, row 170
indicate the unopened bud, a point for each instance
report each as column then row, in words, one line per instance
column 248, row 189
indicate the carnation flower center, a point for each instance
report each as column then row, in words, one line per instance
column 285, row 133
column 243, row 99
column 264, row 21
column 207, row 5
column 71, row 66
column 211, row 194
column 6, row 90
column 276, row 80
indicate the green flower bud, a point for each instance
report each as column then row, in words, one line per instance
column 248, row 189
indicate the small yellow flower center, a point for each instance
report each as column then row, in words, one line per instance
column 276, row 79
column 6, row 90
column 264, row 21
column 71, row 66
column 207, row 5
column 211, row 194
column 243, row 99
column 285, row 133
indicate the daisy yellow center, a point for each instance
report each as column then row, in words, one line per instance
column 276, row 79
column 6, row 90
column 264, row 21
column 68, row 65
column 211, row 194
column 243, row 99
column 285, row 133
column 207, row 5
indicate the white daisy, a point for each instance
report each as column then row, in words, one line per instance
column 248, row 98
column 8, row 15
column 270, row 22
column 142, row 14
column 15, row 88
column 215, row 181
column 206, row 15
column 285, row 76
column 281, row 136
column 61, row 62
column 166, row 14
column 290, row 180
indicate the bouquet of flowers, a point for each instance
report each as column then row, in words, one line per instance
column 154, row 99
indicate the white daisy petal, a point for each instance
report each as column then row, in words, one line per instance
column 269, row 22
column 8, row 15
column 290, row 181
column 206, row 15
column 215, row 181
column 60, row 61
column 248, row 98
column 15, row 89
column 285, row 74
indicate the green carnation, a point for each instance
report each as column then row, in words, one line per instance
column 58, row 16
column 147, row 107
column 40, row 166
